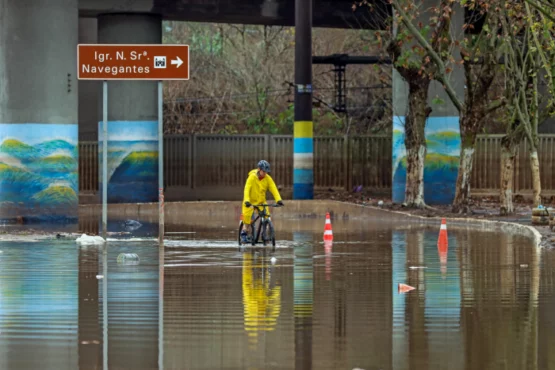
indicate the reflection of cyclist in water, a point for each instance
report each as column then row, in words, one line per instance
column 258, row 183
column 261, row 300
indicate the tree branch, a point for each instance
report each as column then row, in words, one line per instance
column 541, row 10
column 546, row 64
column 437, row 59
column 523, row 119
column 495, row 106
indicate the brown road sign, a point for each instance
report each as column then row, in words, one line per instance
column 132, row 62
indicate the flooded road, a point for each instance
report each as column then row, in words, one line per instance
column 485, row 303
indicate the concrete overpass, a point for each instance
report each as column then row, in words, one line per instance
column 43, row 106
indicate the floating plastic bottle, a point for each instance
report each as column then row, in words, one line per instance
column 128, row 258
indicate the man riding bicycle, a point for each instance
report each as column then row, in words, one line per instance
column 258, row 183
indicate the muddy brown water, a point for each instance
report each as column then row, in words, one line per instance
column 202, row 304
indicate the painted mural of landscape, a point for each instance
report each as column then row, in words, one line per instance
column 132, row 161
column 39, row 170
column 442, row 159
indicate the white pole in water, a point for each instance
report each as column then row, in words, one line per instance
column 161, row 162
column 105, row 307
column 104, row 159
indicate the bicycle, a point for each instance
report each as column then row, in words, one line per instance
column 265, row 224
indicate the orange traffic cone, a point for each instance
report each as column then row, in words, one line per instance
column 403, row 288
column 328, row 234
column 442, row 239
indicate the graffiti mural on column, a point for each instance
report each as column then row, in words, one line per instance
column 38, row 171
column 132, row 161
column 442, row 159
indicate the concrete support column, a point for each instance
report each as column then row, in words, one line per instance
column 38, row 110
column 132, row 115
column 303, row 147
column 442, row 130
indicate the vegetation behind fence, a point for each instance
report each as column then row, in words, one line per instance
column 211, row 161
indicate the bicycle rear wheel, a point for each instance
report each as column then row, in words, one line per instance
column 239, row 234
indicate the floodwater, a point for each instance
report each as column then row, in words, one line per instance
column 485, row 303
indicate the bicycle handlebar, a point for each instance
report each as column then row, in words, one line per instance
column 266, row 205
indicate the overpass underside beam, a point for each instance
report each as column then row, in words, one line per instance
column 326, row 13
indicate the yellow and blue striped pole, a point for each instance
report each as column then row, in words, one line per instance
column 303, row 161
column 303, row 148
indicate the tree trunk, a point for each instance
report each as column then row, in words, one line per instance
column 414, row 190
column 471, row 122
column 468, row 142
column 415, row 141
column 508, row 155
column 536, row 181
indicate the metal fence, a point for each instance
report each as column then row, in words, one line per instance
column 198, row 161
column 486, row 174
column 223, row 160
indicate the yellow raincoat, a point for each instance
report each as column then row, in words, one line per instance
column 255, row 192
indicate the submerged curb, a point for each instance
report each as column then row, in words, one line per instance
column 505, row 226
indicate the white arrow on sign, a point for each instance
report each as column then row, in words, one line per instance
column 177, row 61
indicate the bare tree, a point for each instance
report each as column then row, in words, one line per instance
column 523, row 66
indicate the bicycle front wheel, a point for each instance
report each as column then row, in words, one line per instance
column 269, row 235
column 272, row 235
column 255, row 238
column 239, row 233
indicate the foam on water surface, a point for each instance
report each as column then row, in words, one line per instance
column 88, row 239
column 220, row 244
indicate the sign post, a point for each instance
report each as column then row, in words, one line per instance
column 161, row 162
column 133, row 62
column 104, row 159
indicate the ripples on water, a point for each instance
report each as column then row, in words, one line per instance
column 485, row 304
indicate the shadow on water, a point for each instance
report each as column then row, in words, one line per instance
column 483, row 303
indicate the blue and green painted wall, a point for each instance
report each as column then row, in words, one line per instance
column 441, row 164
column 39, row 171
column 132, row 161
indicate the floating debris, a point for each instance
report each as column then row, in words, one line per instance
column 131, row 225
column 128, row 258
